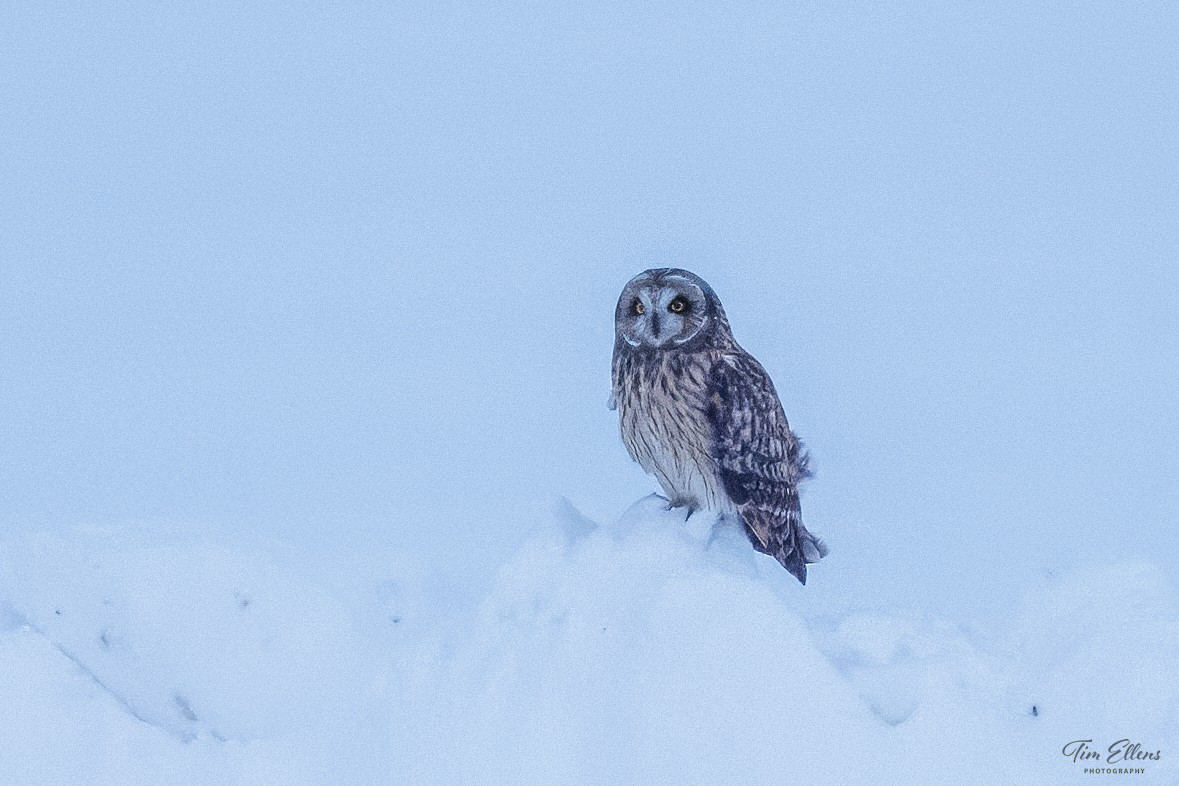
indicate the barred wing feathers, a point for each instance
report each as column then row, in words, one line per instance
column 761, row 461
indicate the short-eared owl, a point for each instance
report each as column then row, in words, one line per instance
column 701, row 415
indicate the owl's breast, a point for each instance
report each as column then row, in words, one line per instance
column 662, row 406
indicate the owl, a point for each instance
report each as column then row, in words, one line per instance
column 700, row 414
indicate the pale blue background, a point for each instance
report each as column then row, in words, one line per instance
column 351, row 271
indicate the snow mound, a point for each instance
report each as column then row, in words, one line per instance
column 652, row 650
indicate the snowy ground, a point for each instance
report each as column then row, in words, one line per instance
column 647, row 651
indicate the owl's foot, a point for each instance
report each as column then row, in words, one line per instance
column 688, row 505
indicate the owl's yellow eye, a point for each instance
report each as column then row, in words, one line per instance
column 678, row 306
column 638, row 307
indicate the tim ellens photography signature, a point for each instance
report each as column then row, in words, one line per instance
column 1120, row 752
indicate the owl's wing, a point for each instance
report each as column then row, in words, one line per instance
column 761, row 461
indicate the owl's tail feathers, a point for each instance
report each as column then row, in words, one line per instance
column 807, row 549
column 785, row 539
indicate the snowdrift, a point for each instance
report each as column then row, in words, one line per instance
column 650, row 651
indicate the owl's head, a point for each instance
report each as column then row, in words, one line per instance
column 668, row 307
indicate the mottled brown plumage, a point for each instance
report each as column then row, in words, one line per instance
column 701, row 414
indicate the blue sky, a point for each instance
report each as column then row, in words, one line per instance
column 352, row 271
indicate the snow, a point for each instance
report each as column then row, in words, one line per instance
column 648, row 650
